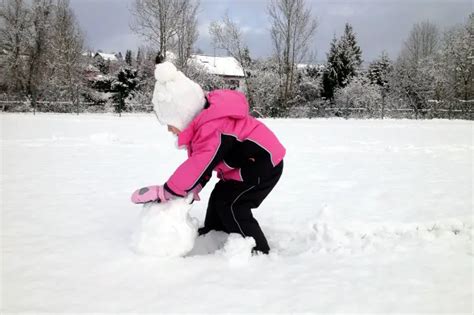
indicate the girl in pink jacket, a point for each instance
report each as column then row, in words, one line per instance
column 221, row 136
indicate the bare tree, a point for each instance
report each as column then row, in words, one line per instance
column 413, row 78
column 14, row 26
column 38, row 48
column 186, row 34
column 227, row 35
column 456, row 61
column 158, row 21
column 292, row 28
column 66, row 47
column 422, row 42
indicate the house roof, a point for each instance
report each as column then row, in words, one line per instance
column 225, row 66
column 111, row 57
column 306, row 65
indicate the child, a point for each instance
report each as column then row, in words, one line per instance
column 219, row 135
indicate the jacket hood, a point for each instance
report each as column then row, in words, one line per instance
column 222, row 104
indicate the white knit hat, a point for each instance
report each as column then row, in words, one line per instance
column 176, row 98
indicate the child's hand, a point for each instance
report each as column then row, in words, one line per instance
column 195, row 192
column 150, row 194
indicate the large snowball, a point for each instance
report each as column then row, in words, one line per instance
column 166, row 229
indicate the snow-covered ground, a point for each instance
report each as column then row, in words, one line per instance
column 369, row 216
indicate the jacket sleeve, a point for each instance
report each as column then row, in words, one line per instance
column 207, row 152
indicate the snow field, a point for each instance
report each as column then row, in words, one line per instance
column 370, row 216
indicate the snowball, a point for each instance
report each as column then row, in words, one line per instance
column 166, row 229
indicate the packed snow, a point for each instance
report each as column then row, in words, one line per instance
column 369, row 216
column 166, row 229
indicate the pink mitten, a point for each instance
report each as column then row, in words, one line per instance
column 149, row 194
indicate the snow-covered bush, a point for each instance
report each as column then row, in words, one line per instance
column 139, row 101
column 308, row 84
column 359, row 93
column 414, row 84
column 265, row 89
column 102, row 83
column 309, row 90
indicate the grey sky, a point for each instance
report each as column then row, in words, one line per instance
column 379, row 24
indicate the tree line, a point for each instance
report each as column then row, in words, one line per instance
column 43, row 58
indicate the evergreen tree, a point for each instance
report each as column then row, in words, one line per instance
column 139, row 57
column 344, row 62
column 349, row 45
column 350, row 56
column 330, row 74
column 127, row 81
column 128, row 57
column 379, row 70
column 102, row 65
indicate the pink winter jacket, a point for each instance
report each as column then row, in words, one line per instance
column 226, row 139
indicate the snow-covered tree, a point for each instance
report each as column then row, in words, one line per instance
column 456, row 58
column 186, row 33
column 351, row 54
column 139, row 98
column 14, row 38
column 139, row 58
column 159, row 21
column 66, row 48
column 227, row 35
column 330, row 80
column 379, row 70
column 263, row 77
column 422, row 42
column 38, row 49
column 128, row 57
column 292, row 29
column 414, row 77
column 413, row 85
column 123, row 85
column 344, row 62
column 102, row 65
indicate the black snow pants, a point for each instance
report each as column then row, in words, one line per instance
column 230, row 204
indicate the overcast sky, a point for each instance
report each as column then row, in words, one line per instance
column 379, row 24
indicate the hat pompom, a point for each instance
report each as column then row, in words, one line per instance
column 165, row 72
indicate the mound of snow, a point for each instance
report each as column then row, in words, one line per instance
column 166, row 229
column 238, row 250
column 209, row 243
column 104, row 138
